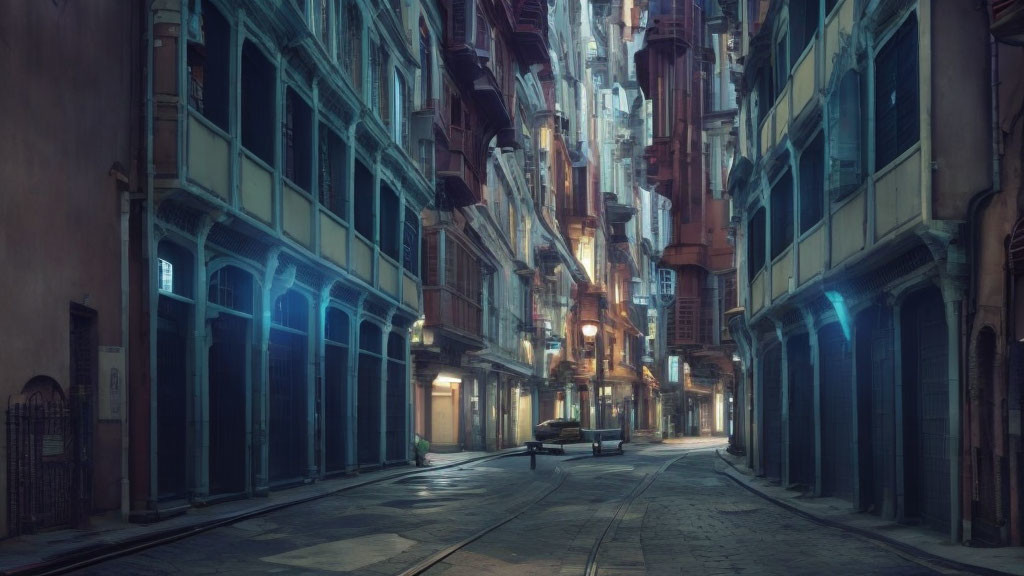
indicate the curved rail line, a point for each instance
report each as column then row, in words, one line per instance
column 591, row 566
column 436, row 558
column 590, row 569
column 78, row 561
column 421, row 567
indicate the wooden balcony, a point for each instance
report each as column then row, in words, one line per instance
column 452, row 315
column 659, row 164
column 679, row 256
column 453, row 164
column 531, row 30
column 670, row 31
column 489, row 99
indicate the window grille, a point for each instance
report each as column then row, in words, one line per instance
column 897, row 121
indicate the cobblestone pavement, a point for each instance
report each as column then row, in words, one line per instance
column 687, row 519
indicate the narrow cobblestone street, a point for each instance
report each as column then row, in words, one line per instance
column 658, row 509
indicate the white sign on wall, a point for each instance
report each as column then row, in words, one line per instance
column 111, row 383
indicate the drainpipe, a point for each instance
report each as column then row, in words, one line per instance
column 117, row 171
column 980, row 200
column 975, row 209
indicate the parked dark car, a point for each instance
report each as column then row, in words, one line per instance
column 558, row 430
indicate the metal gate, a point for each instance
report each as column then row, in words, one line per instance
column 40, row 471
column 287, row 406
column 368, row 408
column 927, row 427
column 881, row 477
column 772, row 390
column 801, row 411
column 396, row 415
column 836, row 413
column 228, row 358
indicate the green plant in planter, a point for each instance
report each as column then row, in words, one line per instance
column 422, row 447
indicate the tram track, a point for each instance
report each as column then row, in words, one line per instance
column 91, row 556
column 591, row 566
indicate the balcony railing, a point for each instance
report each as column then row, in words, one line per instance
column 447, row 309
column 659, row 161
column 531, row 30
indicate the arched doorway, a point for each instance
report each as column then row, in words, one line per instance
column 288, row 387
column 229, row 331
column 801, row 410
column 369, row 394
column 336, row 361
column 771, row 386
column 836, row 412
column 174, row 326
column 398, row 379
column 925, row 409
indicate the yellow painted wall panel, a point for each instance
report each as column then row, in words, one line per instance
column 782, row 270
column 812, row 255
column 908, row 201
column 757, row 293
column 388, row 277
column 804, row 81
column 209, row 163
column 848, row 229
column 362, row 259
column 410, row 295
column 782, row 116
column 297, row 216
column 898, row 195
column 333, row 241
column 256, row 190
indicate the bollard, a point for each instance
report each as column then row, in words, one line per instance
column 533, row 459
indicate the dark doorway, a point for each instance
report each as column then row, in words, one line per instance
column 801, row 411
column 772, row 388
column 368, row 402
column 926, row 409
column 174, row 325
column 288, row 389
column 397, row 438
column 986, row 522
column 173, row 321
column 836, row 413
column 84, row 372
column 336, row 390
column 875, row 406
column 229, row 361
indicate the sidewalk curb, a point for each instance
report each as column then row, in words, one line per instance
column 89, row 554
column 901, row 546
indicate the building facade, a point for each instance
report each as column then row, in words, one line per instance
column 856, row 186
column 69, row 175
column 994, row 504
column 682, row 68
column 275, row 270
column 539, row 201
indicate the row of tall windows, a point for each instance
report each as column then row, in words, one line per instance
column 209, row 56
column 896, row 130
